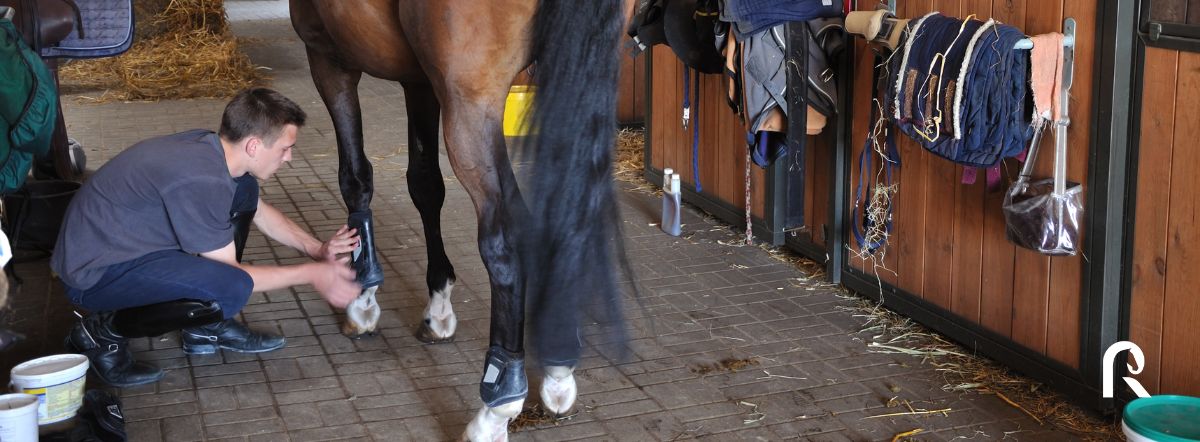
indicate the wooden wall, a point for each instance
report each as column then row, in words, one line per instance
column 631, row 98
column 1165, row 309
column 948, row 244
column 722, row 146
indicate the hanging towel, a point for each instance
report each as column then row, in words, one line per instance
column 1046, row 66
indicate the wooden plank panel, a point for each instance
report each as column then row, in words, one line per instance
column 999, row 255
column 639, row 87
column 710, row 114
column 626, row 91
column 1066, row 281
column 1149, row 266
column 731, row 177
column 968, row 226
column 1180, row 367
column 818, row 193
column 811, row 146
column 661, row 112
column 940, row 201
column 910, row 210
column 1031, row 283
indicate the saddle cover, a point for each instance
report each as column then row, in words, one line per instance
column 107, row 31
column 960, row 89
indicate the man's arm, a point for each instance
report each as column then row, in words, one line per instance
column 279, row 227
column 333, row 279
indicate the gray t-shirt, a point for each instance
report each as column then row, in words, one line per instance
column 167, row 193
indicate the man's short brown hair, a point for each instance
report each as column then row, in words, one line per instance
column 259, row 112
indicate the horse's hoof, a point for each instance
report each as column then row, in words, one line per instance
column 426, row 335
column 491, row 424
column 558, row 389
column 352, row 331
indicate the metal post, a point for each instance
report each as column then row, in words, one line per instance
column 1104, row 319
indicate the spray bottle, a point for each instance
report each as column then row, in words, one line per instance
column 670, row 213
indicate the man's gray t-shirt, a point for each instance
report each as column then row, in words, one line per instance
column 167, row 193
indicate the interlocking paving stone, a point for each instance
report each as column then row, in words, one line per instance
column 700, row 302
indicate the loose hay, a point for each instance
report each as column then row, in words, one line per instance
column 965, row 372
column 731, row 365
column 195, row 57
column 533, row 415
column 629, row 162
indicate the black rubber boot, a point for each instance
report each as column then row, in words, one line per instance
column 230, row 335
column 364, row 261
column 111, row 360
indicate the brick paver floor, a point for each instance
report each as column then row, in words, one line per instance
column 703, row 302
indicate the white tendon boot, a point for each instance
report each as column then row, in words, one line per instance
column 558, row 389
column 491, row 424
column 362, row 315
column 440, row 320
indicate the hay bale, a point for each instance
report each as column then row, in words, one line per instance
column 194, row 56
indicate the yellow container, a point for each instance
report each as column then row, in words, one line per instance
column 517, row 108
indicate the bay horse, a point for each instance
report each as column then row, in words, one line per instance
column 456, row 60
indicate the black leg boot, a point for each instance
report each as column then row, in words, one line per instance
column 364, row 260
column 111, row 360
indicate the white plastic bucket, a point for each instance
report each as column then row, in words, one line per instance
column 57, row 381
column 1133, row 436
column 18, row 418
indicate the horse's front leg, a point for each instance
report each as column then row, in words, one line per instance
column 428, row 192
column 339, row 90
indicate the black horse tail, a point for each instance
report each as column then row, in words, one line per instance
column 573, row 234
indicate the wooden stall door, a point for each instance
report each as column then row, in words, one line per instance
column 1165, row 309
column 947, row 245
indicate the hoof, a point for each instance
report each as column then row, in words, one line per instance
column 352, row 332
column 491, row 424
column 558, row 390
column 362, row 315
column 426, row 335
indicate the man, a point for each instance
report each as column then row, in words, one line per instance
column 153, row 240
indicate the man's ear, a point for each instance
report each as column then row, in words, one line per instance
column 253, row 143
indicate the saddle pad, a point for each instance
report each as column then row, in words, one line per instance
column 107, row 31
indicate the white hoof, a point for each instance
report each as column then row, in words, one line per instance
column 558, row 389
column 440, row 319
column 491, row 424
column 362, row 315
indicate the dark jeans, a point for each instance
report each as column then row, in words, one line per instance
column 171, row 275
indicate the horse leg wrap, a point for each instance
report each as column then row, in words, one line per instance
column 503, row 377
column 364, row 262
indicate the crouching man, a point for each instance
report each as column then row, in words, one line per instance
column 153, row 241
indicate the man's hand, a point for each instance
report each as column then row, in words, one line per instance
column 334, row 280
column 344, row 241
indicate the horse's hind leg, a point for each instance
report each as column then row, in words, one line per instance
column 428, row 192
column 338, row 87
column 476, row 146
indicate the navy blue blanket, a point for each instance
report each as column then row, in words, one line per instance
column 975, row 113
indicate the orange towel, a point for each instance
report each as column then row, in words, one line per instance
column 1046, row 69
